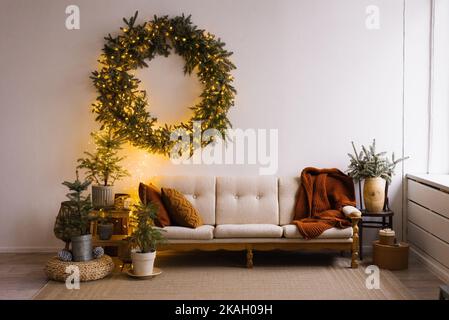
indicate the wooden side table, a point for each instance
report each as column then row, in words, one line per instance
column 120, row 219
column 384, row 220
column 118, row 241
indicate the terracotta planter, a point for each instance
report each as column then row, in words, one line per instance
column 143, row 263
column 374, row 194
column 102, row 196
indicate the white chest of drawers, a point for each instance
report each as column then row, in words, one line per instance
column 428, row 217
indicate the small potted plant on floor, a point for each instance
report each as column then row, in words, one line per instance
column 103, row 166
column 73, row 220
column 144, row 238
column 105, row 228
column 376, row 169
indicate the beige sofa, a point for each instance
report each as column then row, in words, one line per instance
column 250, row 213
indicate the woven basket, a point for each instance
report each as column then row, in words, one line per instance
column 89, row 270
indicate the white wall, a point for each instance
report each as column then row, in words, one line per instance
column 426, row 88
column 308, row 68
column 416, row 89
column 439, row 161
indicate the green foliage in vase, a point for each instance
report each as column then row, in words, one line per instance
column 145, row 236
column 368, row 163
column 73, row 218
column 103, row 166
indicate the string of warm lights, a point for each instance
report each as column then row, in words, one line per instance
column 123, row 106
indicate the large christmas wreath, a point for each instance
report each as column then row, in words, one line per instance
column 121, row 105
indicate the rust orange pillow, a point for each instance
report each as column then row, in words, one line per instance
column 149, row 193
column 180, row 209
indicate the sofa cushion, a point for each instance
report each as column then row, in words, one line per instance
column 291, row 231
column 199, row 190
column 247, row 200
column 248, row 231
column 148, row 193
column 205, row 232
column 181, row 211
column 288, row 192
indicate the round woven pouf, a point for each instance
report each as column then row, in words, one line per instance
column 95, row 269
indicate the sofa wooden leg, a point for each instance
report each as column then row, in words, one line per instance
column 354, row 260
column 355, row 245
column 249, row 257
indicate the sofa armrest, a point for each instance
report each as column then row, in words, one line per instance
column 351, row 212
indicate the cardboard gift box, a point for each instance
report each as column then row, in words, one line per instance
column 389, row 257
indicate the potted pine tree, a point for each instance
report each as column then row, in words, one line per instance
column 73, row 220
column 376, row 169
column 103, row 166
column 144, row 238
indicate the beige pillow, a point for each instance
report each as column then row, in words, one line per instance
column 180, row 209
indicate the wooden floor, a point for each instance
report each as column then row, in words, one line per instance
column 21, row 276
column 421, row 282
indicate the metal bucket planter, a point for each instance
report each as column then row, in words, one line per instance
column 105, row 230
column 102, row 196
column 82, row 248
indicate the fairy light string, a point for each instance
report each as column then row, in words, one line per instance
column 122, row 105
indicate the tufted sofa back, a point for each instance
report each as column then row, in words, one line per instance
column 242, row 200
column 288, row 192
column 238, row 200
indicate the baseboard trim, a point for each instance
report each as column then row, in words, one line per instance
column 29, row 249
column 437, row 268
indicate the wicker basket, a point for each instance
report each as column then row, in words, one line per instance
column 89, row 270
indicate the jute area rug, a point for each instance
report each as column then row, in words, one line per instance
column 222, row 275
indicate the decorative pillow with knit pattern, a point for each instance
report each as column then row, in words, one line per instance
column 180, row 209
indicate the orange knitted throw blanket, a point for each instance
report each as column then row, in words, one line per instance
column 322, row 195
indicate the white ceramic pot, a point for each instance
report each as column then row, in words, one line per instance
column 143, row 263
column 102, row 196
column 374, row 194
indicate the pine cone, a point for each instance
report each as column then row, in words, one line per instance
column 65, row 255
column 98, row 252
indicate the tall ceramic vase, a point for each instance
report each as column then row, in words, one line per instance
column 374, row 194
column 102, row 196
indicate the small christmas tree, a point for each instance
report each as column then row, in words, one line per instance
column 73, row 217
column 146, row 236
column 103, row 166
